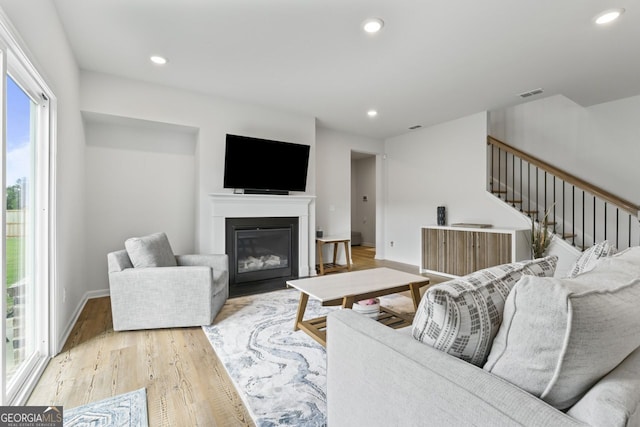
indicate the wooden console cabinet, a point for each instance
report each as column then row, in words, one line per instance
column 457, row 251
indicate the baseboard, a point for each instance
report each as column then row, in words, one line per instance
column 76, row 314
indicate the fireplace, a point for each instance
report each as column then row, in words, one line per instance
column 229, row 205
column 263, row 253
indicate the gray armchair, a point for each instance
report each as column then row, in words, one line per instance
column 191, row 293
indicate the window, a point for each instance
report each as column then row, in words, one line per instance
column 26, row 213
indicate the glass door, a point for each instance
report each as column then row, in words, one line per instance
column 27, row 176
column 20, row 178
column 26, row 236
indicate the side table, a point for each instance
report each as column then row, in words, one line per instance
column 326, row 268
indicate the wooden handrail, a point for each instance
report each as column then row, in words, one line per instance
column 621, row 203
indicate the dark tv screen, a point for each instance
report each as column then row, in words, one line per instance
column 261, row 164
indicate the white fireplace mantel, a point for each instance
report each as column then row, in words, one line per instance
column 227, row 205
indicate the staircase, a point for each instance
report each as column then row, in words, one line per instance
column 577, row 211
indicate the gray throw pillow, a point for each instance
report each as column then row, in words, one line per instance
column 153, row 250
column 560, row 336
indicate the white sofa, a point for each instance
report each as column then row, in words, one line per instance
column 378, row 376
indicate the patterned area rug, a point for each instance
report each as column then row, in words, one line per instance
column 280, row 374
column 129, row 409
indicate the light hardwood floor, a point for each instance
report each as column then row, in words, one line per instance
column 185, row 381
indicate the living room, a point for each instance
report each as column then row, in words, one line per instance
column 109, row 125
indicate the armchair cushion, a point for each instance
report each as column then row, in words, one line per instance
column 153, row 250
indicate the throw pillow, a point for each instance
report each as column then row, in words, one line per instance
column 587, row 259
column 153, row 250
column 462, row 316
column 560, row 336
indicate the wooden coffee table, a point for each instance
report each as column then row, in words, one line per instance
column 346, row 288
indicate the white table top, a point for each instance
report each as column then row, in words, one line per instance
column 334, row 286
column 332, row 239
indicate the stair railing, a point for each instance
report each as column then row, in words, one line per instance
column 578, row 211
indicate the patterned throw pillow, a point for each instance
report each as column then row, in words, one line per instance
column 587, row 259
column 462, row 316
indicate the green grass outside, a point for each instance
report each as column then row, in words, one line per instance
column 14, row 246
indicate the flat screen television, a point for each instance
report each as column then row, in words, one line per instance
column 265, row 166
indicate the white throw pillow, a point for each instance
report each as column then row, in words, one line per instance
column 153, row 250
column 462, row 316
column 587, row 259
column 560, row 336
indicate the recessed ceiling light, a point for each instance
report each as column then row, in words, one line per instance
column 608, row 16
column 373, row 25
column 158, row 60
column 372, row 113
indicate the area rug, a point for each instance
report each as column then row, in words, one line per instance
column 129, row 409
column 280, row 374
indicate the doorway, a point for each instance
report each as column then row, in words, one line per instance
column 363, row 199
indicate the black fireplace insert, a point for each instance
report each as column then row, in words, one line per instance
column 263, row 253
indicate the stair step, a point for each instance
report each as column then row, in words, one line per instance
column 550, row 223
column 499, row 191
column 568, row 235
column 513, row 201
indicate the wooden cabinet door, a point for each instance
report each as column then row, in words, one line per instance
column 458, row 253
column 431, row 249
column 491, row 249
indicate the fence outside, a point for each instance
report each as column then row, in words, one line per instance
column 15, row 222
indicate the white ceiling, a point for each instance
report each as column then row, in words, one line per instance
column 433, row 61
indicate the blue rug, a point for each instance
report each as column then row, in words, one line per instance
column 281, row 375
column 124, row 410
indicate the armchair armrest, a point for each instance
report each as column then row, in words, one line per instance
column 219, row 263
column 215, row 261
column 118, row 261
column 377, row 376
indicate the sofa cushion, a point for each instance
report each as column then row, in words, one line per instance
column 613, row 401
column 462, row 316
column 560, row 336
column 587, row 259
column 153, row 250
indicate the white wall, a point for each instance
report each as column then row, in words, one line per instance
column 333, row 189
column 213, row 117
column 141, row 179
column 598, row 144
column 614, row 147
column 47, row 47
column 441, row 165
column 363, row 213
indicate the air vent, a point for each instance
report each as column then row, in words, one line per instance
column 415, row 127
column 531, row 93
